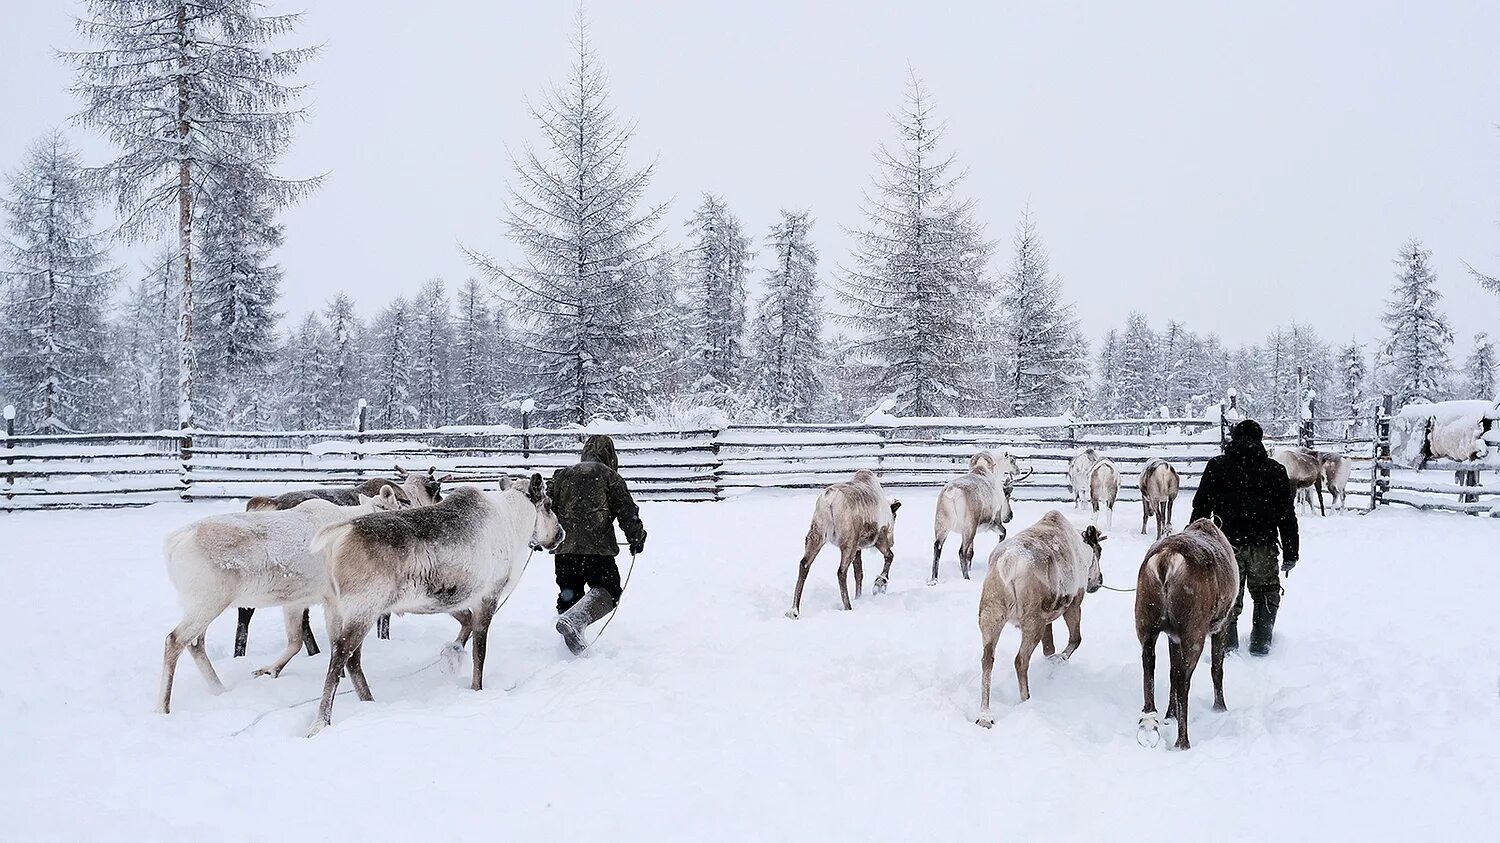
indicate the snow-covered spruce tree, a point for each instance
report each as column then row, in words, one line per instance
column 667, row 364
column 919, row 273
column 1108, row 401
column 238, row 285
column 432, row 354
column 717, row 263
column 1208, row 376
column 1247, row 376
column 1177, row 352
column 1350, row 396
column 348, row 374
column 578, row 289
column 787, row 332
column 475, row 364
column 56, row 264
column 1137, row 365
column 190, row 92
column 1413, row 363
column 1479, row 369
column 301, row 376
column 1042, row 359
column 393, row 358
column 144, row 342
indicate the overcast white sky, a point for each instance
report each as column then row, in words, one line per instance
column 1231, row 165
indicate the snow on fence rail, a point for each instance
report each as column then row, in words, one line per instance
column 135, row 469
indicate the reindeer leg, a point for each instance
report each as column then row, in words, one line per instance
column 810, row 547
column 295, row 618
column 845, row 560
column 307, row 633
column 465, row 620
column 1216, row 654
column 357, row 674
column 966, row 551
column 1174, row 673
column 481, row 623
column 888, row 553
column 1049, row 644
column 1145, row 515
column 986, row 669
column 1073, row 617
column 937, row 553
column 351, row 634
column 383, row 628
column 1030, row 635
column 189, row 629
column 1148, row 730
column 1191, row 650
column 242, row 631
column 859, row 574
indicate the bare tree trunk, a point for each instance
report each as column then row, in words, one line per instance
column 184, row 231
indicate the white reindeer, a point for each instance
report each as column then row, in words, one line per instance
column 249, row 559
column 1104, row 490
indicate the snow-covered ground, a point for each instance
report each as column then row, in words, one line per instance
column 704, row 712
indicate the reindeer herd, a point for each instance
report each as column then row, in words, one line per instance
column 1185, row 589
column 402, row 546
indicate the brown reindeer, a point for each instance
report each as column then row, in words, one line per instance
column 980, row 500
column 1186, row 589
column 853, row 515
column 1159, row 484
column 1035, row 577
column 1304, row 467
column 1104, row 490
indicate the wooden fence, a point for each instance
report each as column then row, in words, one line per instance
column 135, row 469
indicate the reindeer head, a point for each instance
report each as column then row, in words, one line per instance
column 386, row 500
column 1095, row 540
column 424, row 489
column 546, row 532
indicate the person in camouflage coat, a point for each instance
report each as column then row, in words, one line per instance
column 589, row 498
column 1250, row 494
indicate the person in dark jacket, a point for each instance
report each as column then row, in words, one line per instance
column 1253, row 499
column 588, row 498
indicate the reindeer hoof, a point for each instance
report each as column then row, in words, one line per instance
column 450, row 655
column 1218, row 706
column 878, row 587
column 791, row 613
column 268, row 671
column 932, row 581
column 1058, row 658
column 1148, row 732
column 986, row 721
column 317, row 726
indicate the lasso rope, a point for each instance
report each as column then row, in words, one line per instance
column 611, row 618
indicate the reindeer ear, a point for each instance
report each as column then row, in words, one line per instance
column 895, row 505
column 400, row 472
column 535, row 489
column 504, row 482
column 388, row 495
column 432, row 472
column 447, row 478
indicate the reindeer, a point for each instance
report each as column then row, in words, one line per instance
column 462, row 557
column 1336, row 471
column 980, row 500
column 1104, row 490
column 1186, row 589
column 1078, row 475
column 254, row 558
column 1304, row 467
column 1036, row 576
column 1159, row 484
column 852, row 515
column 414, row 490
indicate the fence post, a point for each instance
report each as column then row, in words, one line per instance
column 1467, row 477
column 10, row 432
column 1380, row 466
column 359, row 436
column 1309, row 409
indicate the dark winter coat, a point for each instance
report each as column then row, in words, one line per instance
column 589, row 497
column 1252, row 496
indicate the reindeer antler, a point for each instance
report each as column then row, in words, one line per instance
column 1018, row 479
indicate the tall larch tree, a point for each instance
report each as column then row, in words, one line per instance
column 393, row 357
column 475, row 364
column 585, row 243
column 1040, row 360
column 432, row 354
column 718, row 265
column 1108, row 400
column 1413, row 363
column 787, row 335
column 348, row 370
column 1351, row 397
column 56, row 265
column 1139, row 360
column 193, row 94
column 919, row 272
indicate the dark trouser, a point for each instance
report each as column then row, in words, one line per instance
column 1260, row 574
column 577, row 573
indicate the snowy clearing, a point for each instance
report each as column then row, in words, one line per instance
column 705, row 712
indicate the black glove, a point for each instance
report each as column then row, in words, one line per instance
column 1287, row 565
column 637, row 548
